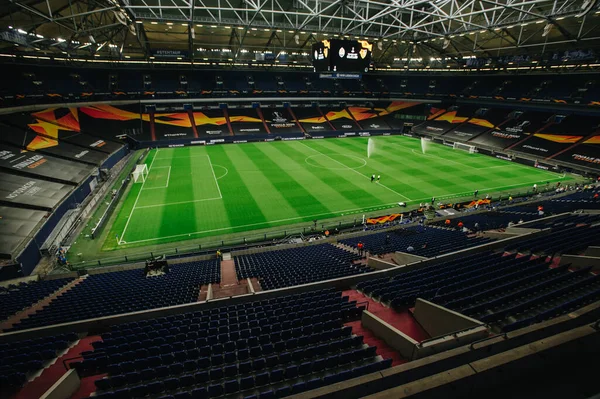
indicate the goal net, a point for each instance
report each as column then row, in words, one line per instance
column 464, row 147
column 140, row 174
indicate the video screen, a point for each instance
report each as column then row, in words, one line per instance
column 342, row 56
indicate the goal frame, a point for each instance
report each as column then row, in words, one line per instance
column 140, row 173
column 471, row 149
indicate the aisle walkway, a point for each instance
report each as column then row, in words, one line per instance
column 403, row 321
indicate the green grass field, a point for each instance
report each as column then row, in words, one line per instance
column 194, row 192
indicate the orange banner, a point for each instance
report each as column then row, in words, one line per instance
column 384, row 219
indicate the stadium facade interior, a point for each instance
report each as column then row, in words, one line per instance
column 299, row 198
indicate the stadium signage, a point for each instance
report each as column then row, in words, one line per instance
column 176, row 145
column 504, row 157
column 544, row 167
column 23, row 189
column 198, row 142
column 166, row 53
column 239, row 141
column 503, row 135
column 387, row 134
column 340, row 75
column 292, row 138
column 217, row 141
column 535, row 148
column 364, row 134
column 81, row 154
column 585, row 158
column 175, row 134
column 98, row 143
column 318, row 137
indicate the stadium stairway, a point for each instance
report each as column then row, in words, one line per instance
column 229, row 283
column 51, row 374
column 15, row 319
column 403, row 321
column 383, row 349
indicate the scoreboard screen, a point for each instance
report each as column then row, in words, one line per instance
column 320, row 54
column 342, row 55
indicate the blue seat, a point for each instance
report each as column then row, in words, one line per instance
column 232, row 386
column 291, row 372
column 261, row 379
column 276, row 375
column 259, row 364
column 247, row 382
column 216, row 373
column 187, row 380
column 171, row 384
column 283, row 391
column 200, row 393
column 215, row 390
column 156, row 387
column 201, row 377
column 230, row 371
column 102, row 384
column 267, row 395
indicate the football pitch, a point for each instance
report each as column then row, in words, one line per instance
column 193, row 192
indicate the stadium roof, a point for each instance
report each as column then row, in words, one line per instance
column 244, row 30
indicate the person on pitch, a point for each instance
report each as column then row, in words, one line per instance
column 378, row 178
column 372, row 178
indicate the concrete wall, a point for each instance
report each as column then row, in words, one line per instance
column 379, row 264
column 64, row 387
column 520, row 230
column 447, row 342
column 26, row 279
column 544, row 219
column 59, row 276
column 391, row 335
column 437, row 320
column 592, row 251
column 498, row 235
column 579, row 262
column 403, row 258
column 477, row 377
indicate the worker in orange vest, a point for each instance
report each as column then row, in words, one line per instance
column 360, row 247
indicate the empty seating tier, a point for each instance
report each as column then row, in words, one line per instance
column 272, row 348
column 19, row 360
column 288, row 267
column 15, row 298
column 107, row 294
column 425, row 241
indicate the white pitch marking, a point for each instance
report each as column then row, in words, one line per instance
column 138, row 197
column 257, row 224
column 355, row 171
column 178, row 203
column 215, row 177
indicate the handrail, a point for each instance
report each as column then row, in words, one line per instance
column 64, row 362
column 504, row 335
column 454, row 333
